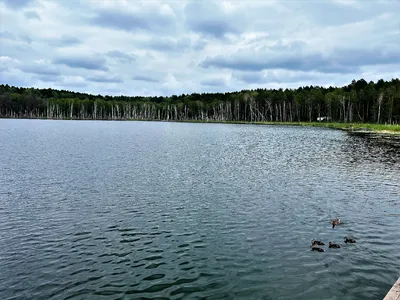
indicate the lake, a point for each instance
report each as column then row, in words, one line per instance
column 158, row 210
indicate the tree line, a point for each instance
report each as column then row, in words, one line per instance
column 360, row 101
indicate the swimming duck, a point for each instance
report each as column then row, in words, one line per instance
column 315, row 248
column 335, row 222
column 332, row 245
column 314, row 242
column 347, row 240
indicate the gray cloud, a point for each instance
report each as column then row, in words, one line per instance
column 340, row 61
column 49, row 78
column 31, row 14
column 82, row 62
column 16, row 49
column 188, row 46
column 7, row 35
column 172, row 44
column 10, row 36
column 270, row 76
column 13, row 78
column 167, row 44
column 122, row 57
column 250, row 77
column 251, row 62
column 40, row 69
column 207, row 17
column 335, row 13
column 122, row 20
column 17, row 4
column 144, row 78
column 365, row 57
column 198, row 45
column 213, row 82
column 104, row 78
column 74, row 86
column 26, row 39
column 65, row 41
column 3, row 68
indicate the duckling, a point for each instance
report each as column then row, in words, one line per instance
column 315, row 248
column 332, row 245
column 347, row 240
column 335, row 222
column 314, row 242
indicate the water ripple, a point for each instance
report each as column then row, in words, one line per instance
column 195, row 211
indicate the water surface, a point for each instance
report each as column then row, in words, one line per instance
column 143, row 210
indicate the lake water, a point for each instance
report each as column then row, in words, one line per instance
column 146, row 210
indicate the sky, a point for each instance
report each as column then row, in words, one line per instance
column 162, row 48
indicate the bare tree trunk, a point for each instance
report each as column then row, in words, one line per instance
column 71, row 109
column 379, row 106
column 343, row 102
column 350, row 112
column 95, row 110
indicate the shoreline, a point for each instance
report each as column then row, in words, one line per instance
column 347, row 127
column 366, row 128
column 394, row 292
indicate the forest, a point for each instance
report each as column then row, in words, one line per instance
column 360, row 101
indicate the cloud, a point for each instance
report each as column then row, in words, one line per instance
column 208, row 18
column 48, row 78
column 364, row 57
column 258, row 61
column 40, row 67
column 122, row 57
column 6, row 63
column 173, row 47
column 144, row 78
column 275, row 76
column 351, row 3
column 166, row 44
column 12, row 78
column 31, row 14
column 136, row 20
column 3, row 69
column 339, row 61
column 82, row 62
column 65, row 41
column 105, row 78
column 213, row 82
column 26, row 39
column 16, row 49
column 18, row 4
column 7, row 35
column 250, row 77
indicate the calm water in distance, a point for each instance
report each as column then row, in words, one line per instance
column 143, row 210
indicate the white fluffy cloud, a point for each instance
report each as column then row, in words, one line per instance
column 174, row 47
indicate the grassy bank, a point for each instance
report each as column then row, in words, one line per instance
column 379, row 128
column 357, row 127
column 382, row 128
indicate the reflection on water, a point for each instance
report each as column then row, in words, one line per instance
column 143, row 210
column 373, row 148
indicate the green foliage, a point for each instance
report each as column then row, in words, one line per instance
column 358, row 102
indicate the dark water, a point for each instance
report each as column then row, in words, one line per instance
column 142, row 210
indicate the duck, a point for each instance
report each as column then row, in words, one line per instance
column 314, row 242
column 347, row 240
column 332, row 245
column 335, row 222
column 314, row 248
